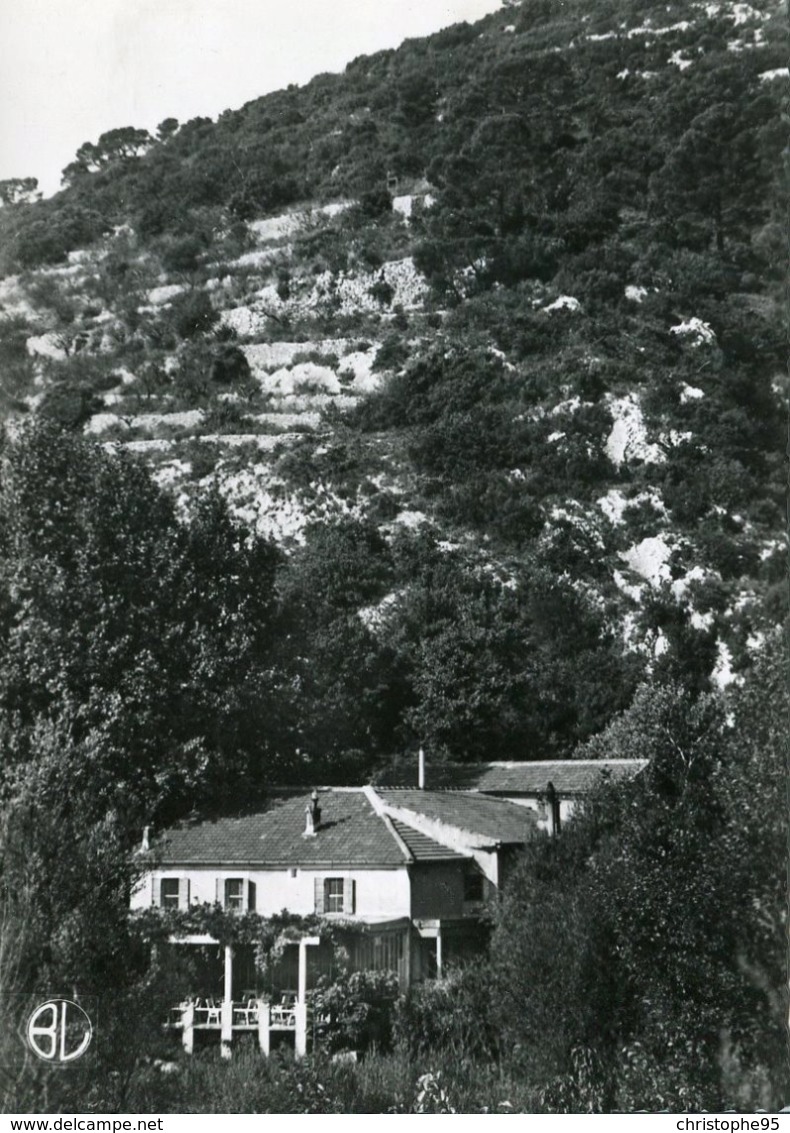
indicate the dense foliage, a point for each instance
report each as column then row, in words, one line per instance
column 545, row 525
column 652, row 972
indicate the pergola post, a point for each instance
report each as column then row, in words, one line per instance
column 226, row 1012
column 300, row 1008
column 188, row 1028
column 264, row 1019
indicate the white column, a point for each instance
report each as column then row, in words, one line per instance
column 188, row 1031
column 228, row 996
column 300, row 1038
column 303, row 945
column 301, row 994
column 226, row 1011
column 263, row 1026
column 439, row 952
column 226, row 1027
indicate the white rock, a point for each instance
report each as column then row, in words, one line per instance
column 777, row 73
column 634, row 293
column 410, row 519
column 677, row 59
column 158, row 295
column 628, row 588
column 564, row 303
column 628, row 438
column 698, row 332
column 649, row 559
column 722, row 674
column 101, row 422
column 46, row 346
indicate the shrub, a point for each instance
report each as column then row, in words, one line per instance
column 230, row 364
column 449, row 1015
column 193, row 314
column 359, row 1009
column 383, row 292
column 183, row 255
column 391, row 355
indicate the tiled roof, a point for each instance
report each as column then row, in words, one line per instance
column 350, row 834
column 492, row 819
column 421, row 847
column 569, row 776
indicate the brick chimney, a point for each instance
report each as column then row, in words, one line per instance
column 421, row 769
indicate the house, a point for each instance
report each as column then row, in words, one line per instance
column 398, row 876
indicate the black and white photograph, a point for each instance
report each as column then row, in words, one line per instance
column 394, row 700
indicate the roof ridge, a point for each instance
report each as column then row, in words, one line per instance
column 378, row 808
column 434, row 790
column 551, row 762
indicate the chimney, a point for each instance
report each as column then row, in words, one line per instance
column 421, row 770
column 312, row 816
column 553, row 809
column 145, row 845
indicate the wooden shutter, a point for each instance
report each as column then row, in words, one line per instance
column 183, row 892
column 349, row 895
column 155, row 889
column 251, row 896
column 320, row 903
column 219, row 892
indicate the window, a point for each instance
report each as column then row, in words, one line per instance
column 473, row 885
column 234, row 893
column 239, row 894
column 335, row 895
column 170, row 893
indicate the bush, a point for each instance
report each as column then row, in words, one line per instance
column 451, row 1016
column 391, row 355
column 359, row 1010
column 183, row 255
column 193, row 314
column 229, row 365
column 70, row 404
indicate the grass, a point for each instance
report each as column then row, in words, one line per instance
column 379, row 1083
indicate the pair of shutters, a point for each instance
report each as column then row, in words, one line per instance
column 227, row 893
column 324, row 892
column 158, row 891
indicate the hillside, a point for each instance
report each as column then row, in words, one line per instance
column 485, row 334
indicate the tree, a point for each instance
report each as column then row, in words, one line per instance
column 144, row 639
column 635, row 987
column 113, row 145
column 19, row 190
column 166, row 129
column 751, row 784
column 342, row 687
